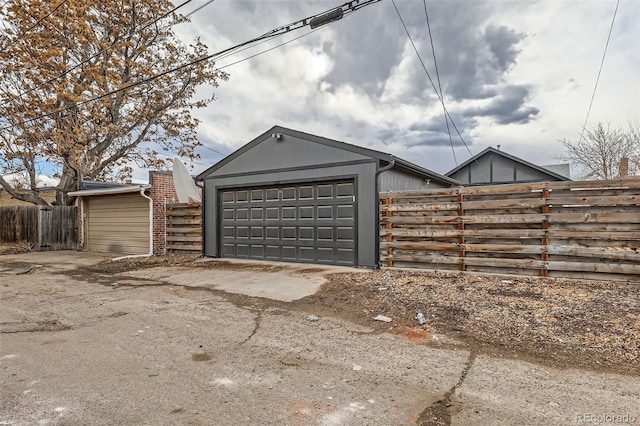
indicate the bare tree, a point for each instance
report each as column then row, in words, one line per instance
column 94, row 87
column 598, row 154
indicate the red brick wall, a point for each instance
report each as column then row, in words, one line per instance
column 163, row 192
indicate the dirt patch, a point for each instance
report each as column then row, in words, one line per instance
column 137, row 263
column 17, row 248
column 201, row 357
column 29, row 327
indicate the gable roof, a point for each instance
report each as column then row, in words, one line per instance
column 510, row 157
column 392, row 160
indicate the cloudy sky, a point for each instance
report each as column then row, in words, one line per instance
column 519, row 74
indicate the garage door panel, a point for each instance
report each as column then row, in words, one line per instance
column 325, row 233
column 272, row 233
column 273, row 252
column 306, row 233
column 311, row 222
column 325, row 212
column 345, row 189
column 306, row 254
column 242, row 250
column 345, row 256
column 228, row 232
column 242, row 232
column 306, row 212
column 272, row 194
column 272, row 213
column 344, row 234
column 288, row 213
column 229, row 250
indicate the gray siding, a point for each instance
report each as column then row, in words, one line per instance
column 397, row 180
column 286, row 152
column 496, row 169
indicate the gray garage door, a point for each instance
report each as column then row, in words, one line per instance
column 310, row 222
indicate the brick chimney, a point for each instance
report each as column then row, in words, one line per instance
column 624, row 167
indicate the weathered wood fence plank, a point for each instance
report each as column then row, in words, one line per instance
column 184, row 229
column 571, row 229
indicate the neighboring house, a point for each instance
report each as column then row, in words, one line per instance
column 293, row 196
column 126, row 219
column 495, row 167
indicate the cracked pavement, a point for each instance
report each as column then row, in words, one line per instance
column 78, row 350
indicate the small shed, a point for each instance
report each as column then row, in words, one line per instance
column 292, row 196
column 116, row 218
column 495, row 167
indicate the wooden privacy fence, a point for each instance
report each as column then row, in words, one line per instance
column 574, row 229
column 43, row 227
column 184, row 229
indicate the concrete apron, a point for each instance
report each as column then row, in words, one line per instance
column 294, row 282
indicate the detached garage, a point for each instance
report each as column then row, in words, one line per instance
column 292, row 196
column 116, row 219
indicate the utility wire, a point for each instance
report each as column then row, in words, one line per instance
column 211, row 149
column 429, row 76
column 584, row 126
column 145, row 26
column 264, row 51
column 435, row 63
column 21, row 35
column 201, row 7
column 350, row 7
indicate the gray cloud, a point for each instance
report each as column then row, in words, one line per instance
column 502, row 41
column 507, row 108
column 474, row 57
column 428, row 133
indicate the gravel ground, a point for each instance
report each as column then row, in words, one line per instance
column 593, row 325
column 564, row 323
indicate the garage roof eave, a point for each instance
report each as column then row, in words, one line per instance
column 109, row 191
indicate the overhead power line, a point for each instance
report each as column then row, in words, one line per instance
column 435, row 64
column 346, row 8
column 200, row 8
column 429, row 76
column 595, row 87
column 211, row 149
column 21, row 35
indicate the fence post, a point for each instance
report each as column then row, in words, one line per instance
column 460, row 213
column 544, row 272
column 389, row 227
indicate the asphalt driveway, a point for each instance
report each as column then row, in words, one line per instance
column 152, row 348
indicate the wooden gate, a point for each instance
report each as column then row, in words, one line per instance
column 42, row 227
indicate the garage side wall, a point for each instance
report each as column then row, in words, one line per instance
column 361, row 170
column 398, row 180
